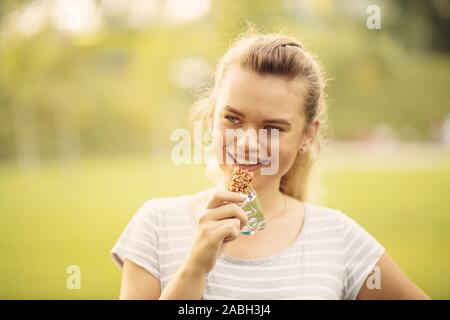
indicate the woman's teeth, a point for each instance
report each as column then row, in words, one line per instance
column 249, row 163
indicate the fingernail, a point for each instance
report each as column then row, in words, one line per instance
column 243, row 196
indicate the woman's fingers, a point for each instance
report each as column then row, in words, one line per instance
column 227, row 211
column 222, row 196
column 227, row 231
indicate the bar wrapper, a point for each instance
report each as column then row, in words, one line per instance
column 256, row 220
column 242, row 181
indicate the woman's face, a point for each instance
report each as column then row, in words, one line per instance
column 250, row 102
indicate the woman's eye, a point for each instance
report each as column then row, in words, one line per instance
column 232, row 119
column 272, row 128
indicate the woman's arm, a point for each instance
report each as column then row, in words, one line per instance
column 219, row 224
column 138, row 283
column 187, row 284
column 394, row 284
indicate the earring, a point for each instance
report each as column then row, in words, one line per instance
column 303, row 148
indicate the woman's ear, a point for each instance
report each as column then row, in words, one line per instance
column 315, row 127
column 309, row 135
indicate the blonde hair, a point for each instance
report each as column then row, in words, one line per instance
column 282, row 55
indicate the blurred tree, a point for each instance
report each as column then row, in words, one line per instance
column 116, row 89
column 422, row 24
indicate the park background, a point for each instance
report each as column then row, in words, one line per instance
column 90, row 92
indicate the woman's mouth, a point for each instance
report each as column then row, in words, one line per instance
column 249, row 165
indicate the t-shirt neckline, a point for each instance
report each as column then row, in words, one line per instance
column 236, row 260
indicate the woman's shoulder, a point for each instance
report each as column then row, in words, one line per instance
column 323, row 212
column 158, row 204
column 322, row 216
column 167, row 204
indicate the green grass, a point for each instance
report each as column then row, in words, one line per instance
column 408, row 212
column 58, row 216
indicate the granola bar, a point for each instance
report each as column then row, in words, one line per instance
column 241, row 181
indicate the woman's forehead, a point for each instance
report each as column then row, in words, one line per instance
column 266, row 95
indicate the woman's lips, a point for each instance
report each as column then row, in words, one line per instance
column 249, row 167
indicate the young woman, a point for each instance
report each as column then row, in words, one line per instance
column 190, row 247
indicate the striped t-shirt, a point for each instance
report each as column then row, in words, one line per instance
column 330, row 258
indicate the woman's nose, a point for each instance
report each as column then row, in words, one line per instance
column 248, row 144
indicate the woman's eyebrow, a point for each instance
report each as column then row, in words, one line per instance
column 278, row 121
column 231, row 109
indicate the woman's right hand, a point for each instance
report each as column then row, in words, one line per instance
column 220, row 223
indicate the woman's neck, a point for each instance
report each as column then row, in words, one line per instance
column 271, row 198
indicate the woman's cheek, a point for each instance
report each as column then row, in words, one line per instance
column 219, row 150
column 286, row 162
column 287, row 155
